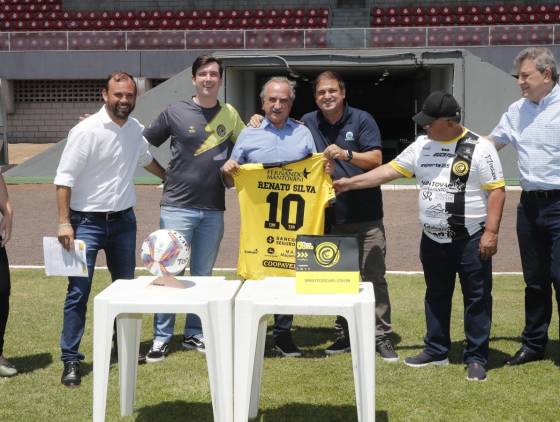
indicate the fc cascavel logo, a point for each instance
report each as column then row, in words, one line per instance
column 221, row 130
column 327, row 254
column 460, row 168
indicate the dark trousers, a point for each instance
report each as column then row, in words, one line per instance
column 442, row 262
column 538, row 233
column 372, row 247
column 4, row 295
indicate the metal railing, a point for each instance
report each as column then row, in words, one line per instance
column 340, row 38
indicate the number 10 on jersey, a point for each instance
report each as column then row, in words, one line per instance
column 291, row 203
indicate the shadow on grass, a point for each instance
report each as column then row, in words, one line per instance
column 496, row 358
column 27, row 364
column 202, row 412
column 295, row 412
column 176, row 410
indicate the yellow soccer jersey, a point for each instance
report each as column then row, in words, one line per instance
column 277, row 203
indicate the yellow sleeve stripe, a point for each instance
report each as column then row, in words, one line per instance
column 496, row 184
column 405, row 172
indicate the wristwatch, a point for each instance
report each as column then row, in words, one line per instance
column 349, row 155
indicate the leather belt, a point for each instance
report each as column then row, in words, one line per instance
column 542, row 194
column 107, row 216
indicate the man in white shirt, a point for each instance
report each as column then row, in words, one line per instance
column 95, row 195
column 460, row 202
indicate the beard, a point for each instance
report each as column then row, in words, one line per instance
column 121, row 112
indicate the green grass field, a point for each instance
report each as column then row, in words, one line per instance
column 312, row 388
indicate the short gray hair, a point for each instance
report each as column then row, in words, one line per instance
column 542, row 57
column 280, row 79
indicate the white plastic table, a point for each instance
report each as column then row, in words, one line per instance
column 276, row 295
column 211, row 298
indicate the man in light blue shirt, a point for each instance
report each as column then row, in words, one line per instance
column 278, row 139
column 532, row 126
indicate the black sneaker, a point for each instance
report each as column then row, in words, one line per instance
column 341, row 345
column 424, row 359
column 157, row 352
column 285, row 345
column 193, row 343
column 71, row 376
column 386, row 350
column 476, row 372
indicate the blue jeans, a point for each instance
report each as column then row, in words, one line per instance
column 203, row 229
column 118, row 238
column 538, row 232
column 442, row 262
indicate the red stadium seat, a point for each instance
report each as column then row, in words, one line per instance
column 504, row 19
column 433, row 11
column 272, row 13
column 246, row 13
column 394, row 20
column 434, row 20
column 299, row 13
column 378, row 11
column 405, row 11
column 377, row 21
column 391, row 11
column 260, row 13
column 324, row 12
column 449, row 19
column 419, row 20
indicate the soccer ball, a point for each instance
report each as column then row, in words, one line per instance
column 165, row 252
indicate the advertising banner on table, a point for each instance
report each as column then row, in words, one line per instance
column 327, row 264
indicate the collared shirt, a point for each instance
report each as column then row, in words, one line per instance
column 533, row 129
column 268, row 144
column 454, row 178
column 357, row 131
column 99, row 161
column 201, row 140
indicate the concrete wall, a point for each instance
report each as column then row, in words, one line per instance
column 45, row 122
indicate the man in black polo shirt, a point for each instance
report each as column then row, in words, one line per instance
column 351, row 138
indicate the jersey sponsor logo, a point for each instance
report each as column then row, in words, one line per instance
column 287, row 174
column 269, row 263
column 444, row 154
column 349, row 137
column 490, row 163
column 436, row 165
column 436, row 211
column 460, row 168
column 251, row 251
column 191, row 130
column 270, row 239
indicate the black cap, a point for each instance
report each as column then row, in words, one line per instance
column 438, row 104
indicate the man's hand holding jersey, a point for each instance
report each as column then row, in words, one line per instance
column 229, row 169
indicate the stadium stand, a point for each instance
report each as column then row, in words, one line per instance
column 45, row 15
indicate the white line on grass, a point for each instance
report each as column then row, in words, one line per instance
column 41, row 267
